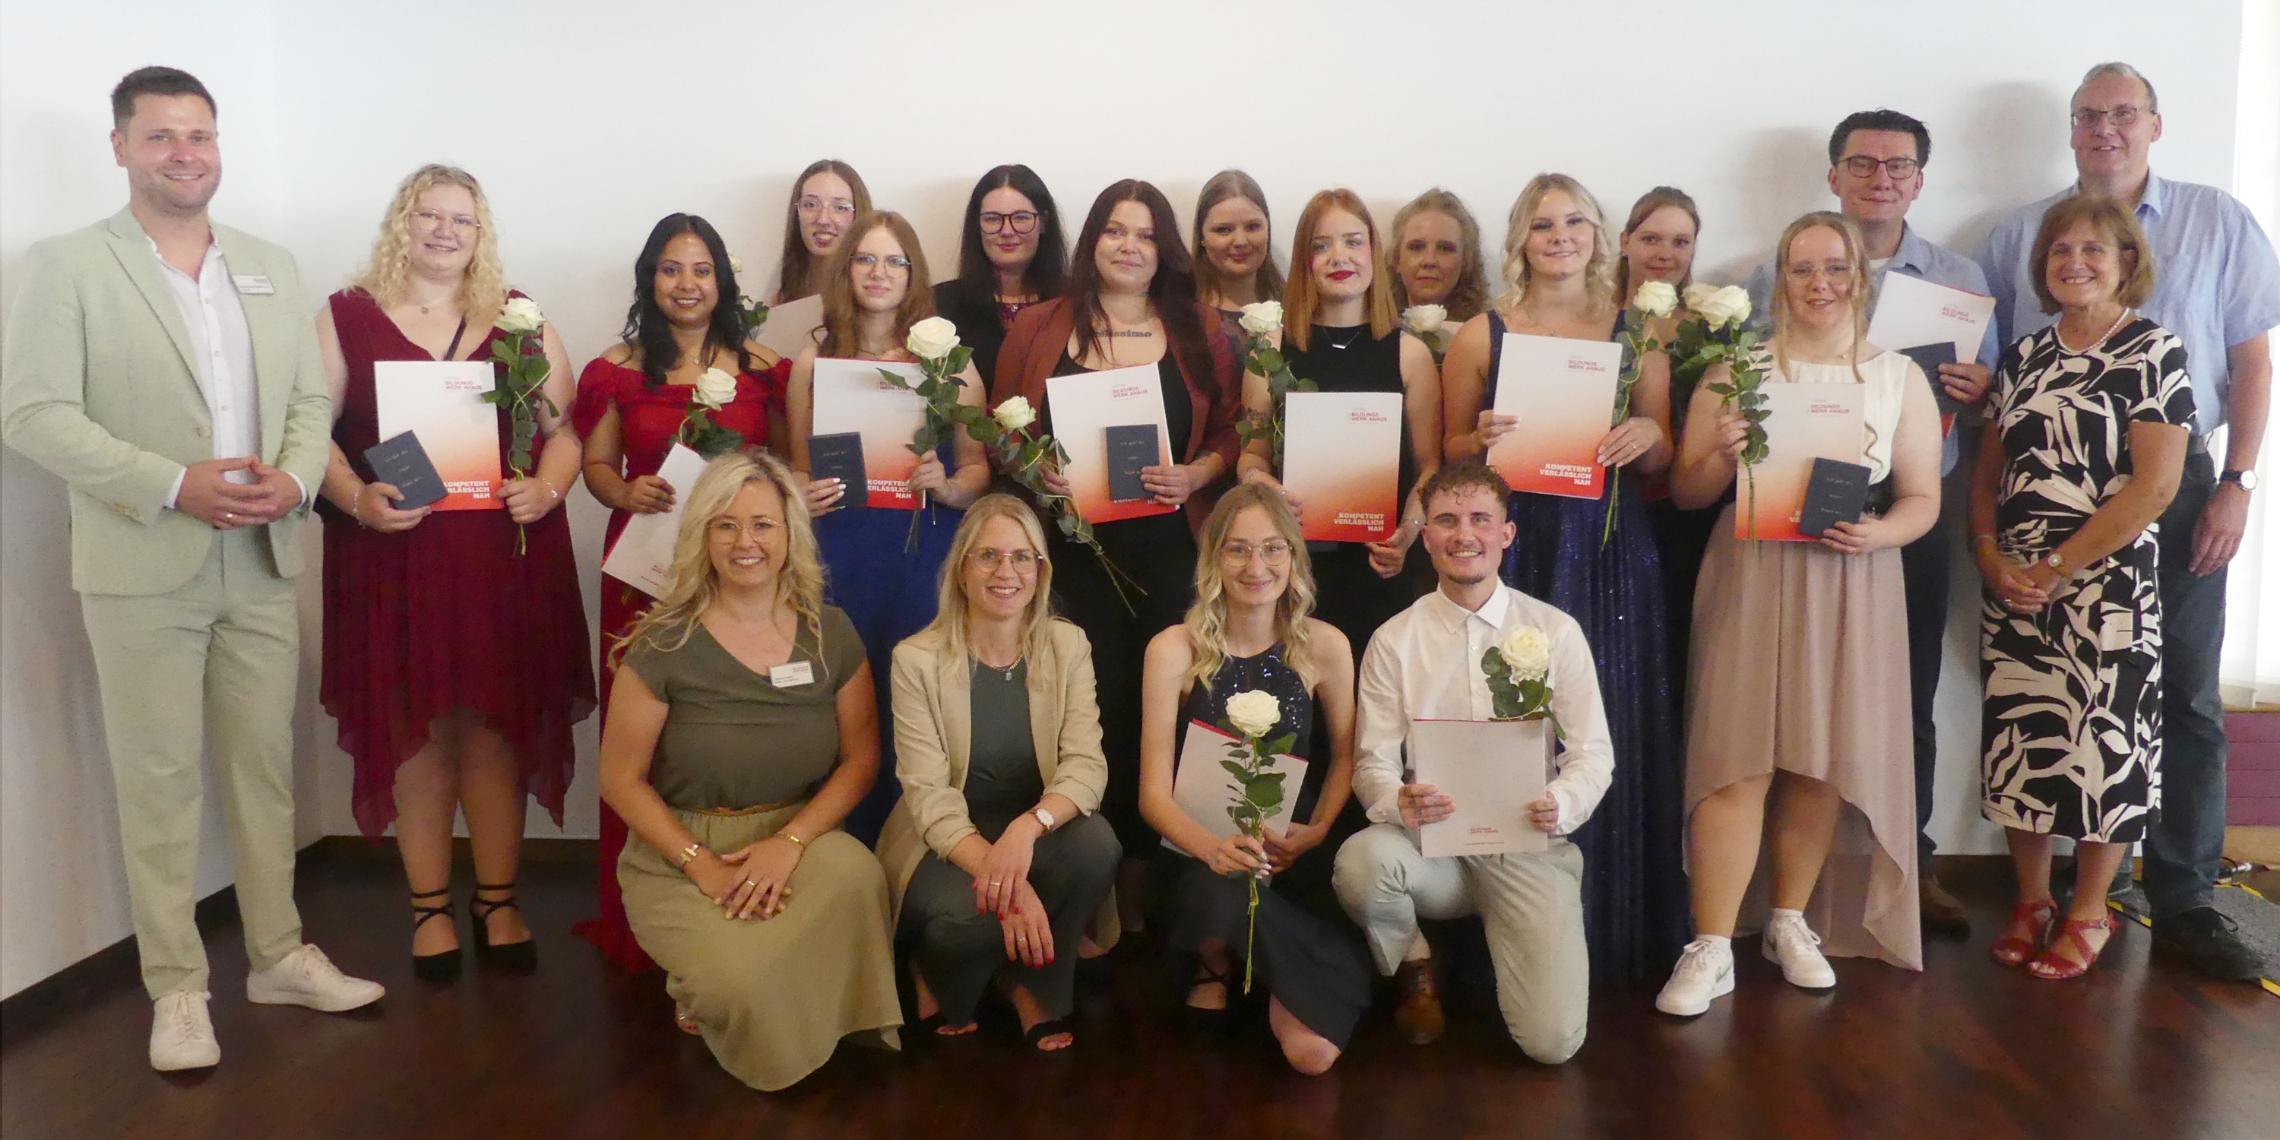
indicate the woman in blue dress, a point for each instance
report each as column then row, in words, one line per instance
column 1560, row 281
column 877, row 287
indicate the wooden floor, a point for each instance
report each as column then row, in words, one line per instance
column 2139, row 1048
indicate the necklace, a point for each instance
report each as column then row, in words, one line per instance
column 1131, row 332
column 1350, row 340
column 1006, row 671
column 2101, row 338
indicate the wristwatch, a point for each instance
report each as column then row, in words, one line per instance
column 2246, row 479
column 2055, row 561
column 1044, row 818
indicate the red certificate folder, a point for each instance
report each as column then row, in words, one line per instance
column 441, row 402
column 1342, row 461
column 1563, row 391
column 1083, row 406
column 851, row 396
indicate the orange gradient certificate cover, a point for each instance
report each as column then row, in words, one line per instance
column 850, row 395
column 1803, row 422
column 1563, row 391
column 441, row 402
column 1342, row 462
column 1083, row 406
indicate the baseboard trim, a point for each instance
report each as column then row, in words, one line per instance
column 357, row 847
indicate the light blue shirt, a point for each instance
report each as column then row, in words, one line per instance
column 1916, row 258
column 2215, row 280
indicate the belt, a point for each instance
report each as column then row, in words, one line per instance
column 756, row 809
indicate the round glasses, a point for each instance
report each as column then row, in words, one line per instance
column 1275, row 551
column 990, row 558
column 1022, row 221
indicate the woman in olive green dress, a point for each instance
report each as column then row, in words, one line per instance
column 742, row 728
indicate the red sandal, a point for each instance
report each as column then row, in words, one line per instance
column 2036, row 916
column 2052, row 968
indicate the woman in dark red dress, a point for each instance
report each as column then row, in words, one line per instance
column 454, row 661
column 632, row 402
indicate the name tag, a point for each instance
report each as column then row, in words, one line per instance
column 253, row 284
column 792, row 674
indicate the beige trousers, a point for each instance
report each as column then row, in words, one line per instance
column 218, row 660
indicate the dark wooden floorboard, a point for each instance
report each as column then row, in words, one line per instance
column 2140, row 1047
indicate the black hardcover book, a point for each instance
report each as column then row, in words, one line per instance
column 401, row 461
column 1837, row 493
column 840, row 456
column 1130, row 448
column 1929, row 357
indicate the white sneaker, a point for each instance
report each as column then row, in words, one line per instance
column 1704, row 973
column 181, row 1034
column 1793, row 946
column 307, row 977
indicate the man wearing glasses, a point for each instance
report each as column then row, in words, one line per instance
column 2217, row 286
column 1876, row 170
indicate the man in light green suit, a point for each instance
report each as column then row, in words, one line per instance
column 167, row 370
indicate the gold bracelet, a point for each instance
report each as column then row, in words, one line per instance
column 688, row 856
column 796, row 841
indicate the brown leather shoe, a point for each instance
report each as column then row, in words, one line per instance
column 1419, row 1014
column 1939, row 911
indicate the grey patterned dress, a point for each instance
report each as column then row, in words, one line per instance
column 2071, row 735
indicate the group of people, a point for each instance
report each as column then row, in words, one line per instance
column 848, row 775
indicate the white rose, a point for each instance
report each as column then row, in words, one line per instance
column 932, row 339
column 736, row 265
column 1698, row 295
column 715, row 389
column 1723, row 307
column 1527, row 652
column 521, row 315
column 1253, row 713
column 1015, row 414
column 1655, row 299
column 1424, row 320
column 1263, row 318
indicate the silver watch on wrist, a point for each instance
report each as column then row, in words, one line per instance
column 1044, row 818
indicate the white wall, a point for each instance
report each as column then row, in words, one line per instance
column 588, row 121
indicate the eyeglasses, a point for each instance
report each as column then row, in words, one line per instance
column 1274, row 550
column 871, row 261
column 2088, row 118
column 733, row 530
column 1022, row 221
column 814, row 207
column 1864, row 166
column 990, row 558
column 1806, row 271
column 434, row 220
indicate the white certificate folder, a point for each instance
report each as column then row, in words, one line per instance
column 1491, row 770
column 1203, row 789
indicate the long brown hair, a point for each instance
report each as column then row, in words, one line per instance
column 841, row 314
column 798, row 262
column 1172, row 291
column 1302, row 298
column 1267, row 282
column 1641, row 210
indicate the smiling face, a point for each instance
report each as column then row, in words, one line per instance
column 1817, row 281
column 1876, row 196
column 1660, row 248
column 1254, row 559
column 1338, row 255
column 1000, row 592
column 1466, row 534
column 747, row 542
column 1010, row 249
column 879, row 271
column 1126, row 252
column 171, row 153
column 826, row 207
column 1429, row 257
column 1235, row 238
column 2085, row 266
column 2103, row 147
column 443, row 227
column 686, row 288
column 1561, row 237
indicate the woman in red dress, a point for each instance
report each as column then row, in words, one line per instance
column 454, row 654
column 632, row 402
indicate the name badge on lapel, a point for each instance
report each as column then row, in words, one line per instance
column 253, row 284
column 792, row 674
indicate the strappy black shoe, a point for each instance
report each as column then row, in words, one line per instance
column 512, row 957
column 442, row 966
column 1209, row 1022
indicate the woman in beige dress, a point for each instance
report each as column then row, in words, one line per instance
column 1797, row 717
column 742, row 728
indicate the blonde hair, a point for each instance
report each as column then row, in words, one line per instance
column 694, row 584
column 1470, row 294
column 1598, row 273
column 1227, row 184
column 1206, row 620
column 386, row 277
column 1302, row 298
column 951, row 603
column 1855, row 252
column 841, row 314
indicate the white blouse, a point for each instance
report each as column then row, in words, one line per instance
column 1886, row 376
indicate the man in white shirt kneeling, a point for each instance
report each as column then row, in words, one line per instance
column 1425, row 663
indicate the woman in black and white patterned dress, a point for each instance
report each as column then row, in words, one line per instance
column 2088, row 444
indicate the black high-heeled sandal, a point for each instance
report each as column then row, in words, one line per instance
column 1208, row 1021
column 515, row 957
column 442, row 966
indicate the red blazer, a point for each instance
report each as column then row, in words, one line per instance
column 1215, row 386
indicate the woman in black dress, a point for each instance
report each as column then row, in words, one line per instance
column 1012, row 255
column 1249, row 632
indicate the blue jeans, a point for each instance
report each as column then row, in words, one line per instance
column 2185, row 845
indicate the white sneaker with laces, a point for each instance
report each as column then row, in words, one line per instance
column 306, row 977
column 181, row 1033
column 1793, row 946
column 1705, row 972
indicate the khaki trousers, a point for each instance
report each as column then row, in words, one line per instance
column 216, row 659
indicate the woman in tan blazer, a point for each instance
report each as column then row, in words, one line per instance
column 994, row 856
